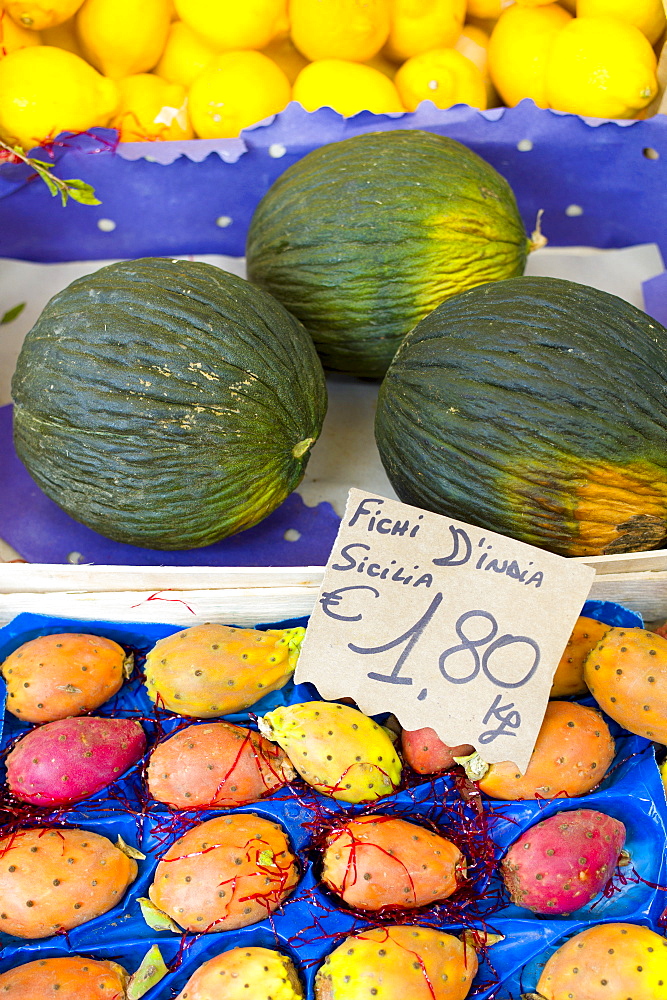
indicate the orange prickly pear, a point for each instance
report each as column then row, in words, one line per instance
column 569, row 677
column 78, row 977
column 216, row 764
column 425, row 752
column 607, row 962
column 56, row 676
column 336, row 749
column 268, row 974
column 373, row 862
column 398, row 963
column 228, row 872
column 627, row 675
column 211, row 670
column 56, row 879
column 573, row 752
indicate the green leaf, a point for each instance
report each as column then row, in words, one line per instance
column 156, row 918
column 12, row 313
column 82, row 192
column 150, row 972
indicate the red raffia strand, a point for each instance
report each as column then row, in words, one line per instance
column 157, row 597
column 620, row 879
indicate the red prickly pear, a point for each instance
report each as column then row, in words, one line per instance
column 68, row 760
column 569, row 677
column 211, row 670
column 607, row 962
column 563, row 862
column 627, row 675
column 74, row 977
column 336, row 749
column 265, row 973
column 57, row 676
column 425, row 752
column 56, row 879
column 216, row 764
column 373, row 862
column 573, row 752
column 398, row 963
column 228, row 872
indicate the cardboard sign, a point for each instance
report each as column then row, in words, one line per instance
column 444, row 624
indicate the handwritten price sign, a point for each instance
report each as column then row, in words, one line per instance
column 442, row 623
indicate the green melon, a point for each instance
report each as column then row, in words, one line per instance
column 537, row 408
column 167, row 403
column 362, row 238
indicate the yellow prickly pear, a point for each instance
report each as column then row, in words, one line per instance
column 336, row 749
column 627, row 675
column 211, row 670
column 398, row 963
column 569, row 680
column 607, row 962
column 267, row 973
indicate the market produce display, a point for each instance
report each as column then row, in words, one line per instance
column 290, row 891
column 167, row 403
column 502, row 406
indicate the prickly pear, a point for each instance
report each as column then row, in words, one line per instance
column 336, row 749
column 68, row 760
column 626, row 673
column 225, row 873
column 425, row 752
column 57, row 676
column 373, row 862
column 216, row 764
column 607, row 962
column 563, row 862
column 74, row 977
column 56, row 879
column 397, row 963
column 573, row 752
column 266, row 973
column 211, row 670
column 569, row 677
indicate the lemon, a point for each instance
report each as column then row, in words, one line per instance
column 347, row 87
column 38, row 14
column 351, row 30
column 45, row 90
column 647, row 15
column 234, row 24
column 443, row 76
column 13, row 36
column 601, row 67
column 385, row 65
column 236, row 90
column 151, row 108
column 485, row 9
column 63, row 36
column 519, row 50
column 284, row 52
column 420, row 25
column 121, row 37
column 473, row 43
column 185, row 55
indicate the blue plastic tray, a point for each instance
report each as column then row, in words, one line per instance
column 311, row 923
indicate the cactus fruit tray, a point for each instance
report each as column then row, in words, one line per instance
column 312, row 921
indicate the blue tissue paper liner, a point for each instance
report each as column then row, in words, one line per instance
column 310, row 924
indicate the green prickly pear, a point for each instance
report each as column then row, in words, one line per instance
column 336, row 749
column 398, row 963
column 212, row 670
column 607, row 962
column 244, row 974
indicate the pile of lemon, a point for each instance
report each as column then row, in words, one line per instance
column 174, row 69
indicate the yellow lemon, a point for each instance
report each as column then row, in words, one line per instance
column 519, row 50
column 38, row 14
column 151, row 108
column 347, row 87
column 647, row 15
column 13, row 36
column 420, row 25
column 284, row 52
column 385, row 65
column 533, row 3
column 485, row 9
column 351, row 30
column 185, row 55
column 45, row 90
column 63, row 36
column 121, row 37
column 601, row 67
column 233, row 24
column 473, row 43
column 443, row 76
column 236, row 90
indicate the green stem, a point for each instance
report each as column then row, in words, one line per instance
column 72, row 188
